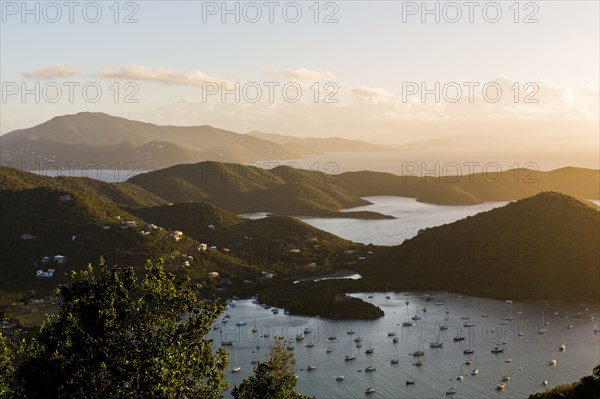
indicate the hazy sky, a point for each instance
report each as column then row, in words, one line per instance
column 378, row 61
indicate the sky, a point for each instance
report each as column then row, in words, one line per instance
column 390, row 72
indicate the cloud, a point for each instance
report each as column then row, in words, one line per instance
column 368, row 92
column 54, row 71
column 164, row 76
column 300, row 74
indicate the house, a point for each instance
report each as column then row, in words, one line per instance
column 151, row 227
column 202, row 247
column 107, row 227
column 66, row 198
column 213, row 274
column 27, row 236
column 295, row 251
column 225, row 250
column 177, row 235
column 48, row 274
column 211, row 227
column 349, row 252
column 213, row 248
column 60, row 259
column 186, row 263
column 130, row 224
column 312, row 265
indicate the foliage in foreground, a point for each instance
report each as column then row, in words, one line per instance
column 273, row 379
column 586, row 388
column 117, row 336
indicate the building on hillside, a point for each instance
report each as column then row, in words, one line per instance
column 66, row 198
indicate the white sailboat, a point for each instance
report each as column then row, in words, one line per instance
column 542, row 329
column 236, row 368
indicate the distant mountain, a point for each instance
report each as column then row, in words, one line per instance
column 98, row 138
column 316, row 145
column 243, row 189
column 474, row 188
column 541, row 247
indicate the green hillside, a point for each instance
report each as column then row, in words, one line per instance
column 545, row 246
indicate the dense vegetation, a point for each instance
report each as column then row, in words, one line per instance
column 274, row 378
column 120, row 336
column 541, row 247
column 586, row 388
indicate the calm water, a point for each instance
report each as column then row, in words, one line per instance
column 530, row 351
column 411, row 216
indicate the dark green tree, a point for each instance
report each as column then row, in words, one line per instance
column 9, row 351
column 587, row 387
column 274, row 378
column 117, row 336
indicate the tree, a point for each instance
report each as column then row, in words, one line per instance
column 9, row 350
column 272, row 379
column 117, row 336
column 586, row 388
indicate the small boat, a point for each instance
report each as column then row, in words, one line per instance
column 395, row 340
column 387, row 297
column 596, row 329
column 545, row 383
column 508, row 361
column 391, row 333
column 410, row 382
column 359, row 344
column 370, row 368
column 331, row 338
column 254, row 330
column 236, row 368
column 416, row 317
column 307, row 330
column 227, row 316
column 552, row 362
column 349, row 357
column 275, row 311
column 500, row 386
column 340, row 378
column 443, row 327
column 328, row 350
column 299, row 337
column 357, row 339
column 240, row 323
column 562, row 348
column 460, row 376
column 468, row 351
column 418, row 363
column 395, row 360
column 311, row 367
column 475, row 372
column 468, row 324
column 370, row 296
column 438, row 303
column 286, row 312
column 468, row 362
column 369, row 351
column 459, row 338
column 436, row 344
column 542, row 329
column 570, row 326
column 427, row 298
column 451, row 391
column 497, row 349
column 407, row 303
column 505, row 378
column 350, row 332
column 370, row 390
column 310, row 345
column 418, row 353
column 424, row 309
column 407, row 324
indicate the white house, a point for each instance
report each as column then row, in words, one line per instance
column 66, row 198
column 213, row 274
column 213, row 248
column 295, row 251
column 211, row 227
column 202, row 247
column 177, row 235
column 60, row 259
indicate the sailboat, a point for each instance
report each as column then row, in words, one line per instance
column 451, row 390
column 475, row 370
column 236, row 368
column 395, row 359
column 468, row 351
column 511, row 317
column 542, row 329
column 596, row 329
column 460, row 376
column 340, row 378
column 328, row 350
column 351, row 356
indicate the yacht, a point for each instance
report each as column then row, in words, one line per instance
column 340, row 378
column 410, row 382
column 459, row 338
column 542, row 329
column 391, row 333
column 500, row 386
column 395, row 340
column 418, row 363
column 460, row 376
column 395, row 360
column 350, row 332
column 350, row 357
column 369, row 351
column 468, row 352
column 497, row 349
column 370, row 368
column 329, row 350
column 407, row 324
column 436, row 344
column 370, row 390
column 236, row 368
column 475, row 372
column 415, row 318
column 443, row 327
column 307, row 330
column 311, row 367
column 552, row 362
column 451, row 391
column 418, row 353
column 357, row 339
column 596, row 329
column 275, row 311
column 310, row 345
column 562, row 348
column 299, row 337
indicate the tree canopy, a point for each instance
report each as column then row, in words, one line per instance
column 120, row 336
column 274, row 378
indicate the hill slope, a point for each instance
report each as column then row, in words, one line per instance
column 243, row 189
column 474, row 188
column 545, row 246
